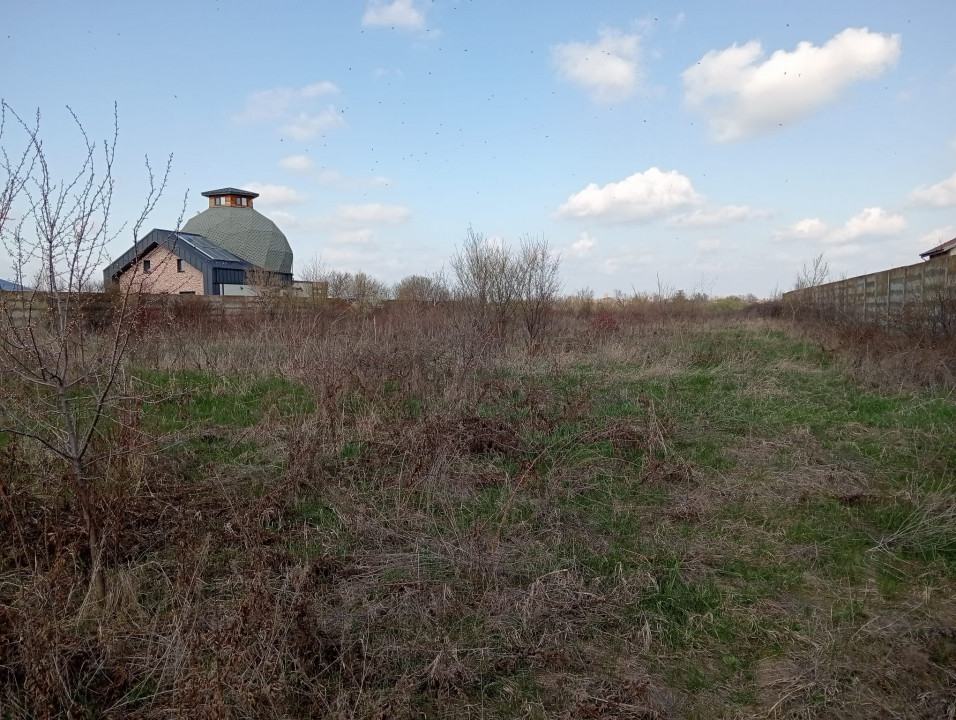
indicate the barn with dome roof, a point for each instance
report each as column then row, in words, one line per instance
column 215, row 251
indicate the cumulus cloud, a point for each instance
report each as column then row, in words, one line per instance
column 716, row 217
column 306, row 126
column 582, row 247
column 609, row 68
column 275, row 194
column 639, row 198
column 277, row 102
column 940, row 195
column 806, row 229
column 294, row 109
column 297, row 163
column 402, row 14
column 870, row 222
column 742, row 94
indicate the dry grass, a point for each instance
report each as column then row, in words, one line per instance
column 399, row 515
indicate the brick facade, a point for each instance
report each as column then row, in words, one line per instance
column 163, row 276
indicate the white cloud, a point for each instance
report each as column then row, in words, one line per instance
column 297, row 163
column 678, row 22
column 306, row 126
column 275, row 194
column 870, row 222
column 582, row 247
column 609, row 68
column 806, row 229
column 936, row 237
column 283, row 219
column 277, row 102
column 940, row 195
column 743, row 95
column 396, row 14
column 640, row 197
column 716, row 217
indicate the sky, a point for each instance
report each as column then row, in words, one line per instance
column 710, row 147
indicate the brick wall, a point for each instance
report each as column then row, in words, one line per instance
column 163, row 276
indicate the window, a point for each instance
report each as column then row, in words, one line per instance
column 179, row 266
column 221, row 200
column 145, row 265
column 241, row 201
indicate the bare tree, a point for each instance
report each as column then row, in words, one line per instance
column 422, row 289
column 538, row 275
column 60, row 375
column 816, row 272
column 486, row 275
column 361, row 289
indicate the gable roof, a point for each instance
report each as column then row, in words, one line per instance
column 940, row 249
column 217, row 264
column 230, row 191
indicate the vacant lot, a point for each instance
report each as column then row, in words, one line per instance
column 397, row 516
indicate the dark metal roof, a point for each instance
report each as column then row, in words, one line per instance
column 230, row 191
column 939, row 249
column 195, row 249
column 7, row 285
column 205, row 246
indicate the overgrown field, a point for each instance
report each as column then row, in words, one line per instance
column 394, row 516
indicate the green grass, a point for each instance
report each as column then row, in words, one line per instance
column 720, row 497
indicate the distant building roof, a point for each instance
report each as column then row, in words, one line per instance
column 7, row 285
column 230, row 191
column 941, row 249
column 246, row 233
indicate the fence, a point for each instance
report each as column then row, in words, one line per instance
column 914, row 297
column 22, row 308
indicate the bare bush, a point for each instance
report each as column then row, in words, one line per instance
column 422, row 289
column 486, row 276
column 813, row 273
column 539, row 283
column 63, row 379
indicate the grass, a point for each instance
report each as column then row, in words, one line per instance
column 707, row 520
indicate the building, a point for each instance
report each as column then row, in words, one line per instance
column 228, row 244
column 946, row 248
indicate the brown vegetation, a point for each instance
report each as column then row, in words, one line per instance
column 400, row 514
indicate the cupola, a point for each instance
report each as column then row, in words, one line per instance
column 230, row 197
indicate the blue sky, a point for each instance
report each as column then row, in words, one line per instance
column 704, row 146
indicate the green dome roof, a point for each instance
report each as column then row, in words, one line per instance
column 246, row 233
